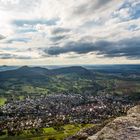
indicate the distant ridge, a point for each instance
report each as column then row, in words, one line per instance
column 39, row 72
column 73, row 69
column 4, row 66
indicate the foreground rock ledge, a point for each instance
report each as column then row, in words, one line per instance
column 122, row 128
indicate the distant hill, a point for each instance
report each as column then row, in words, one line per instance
column 115, row 69
column 5, row 68
column 25, row 72
column 73, row 70
column 42, row 80
column 34, row 72
column 75, row 79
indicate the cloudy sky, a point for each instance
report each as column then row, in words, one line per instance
column 43, row 32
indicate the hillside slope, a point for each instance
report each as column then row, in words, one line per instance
column 38, row 80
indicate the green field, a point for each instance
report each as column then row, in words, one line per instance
column 2, row 101
column 52, row 133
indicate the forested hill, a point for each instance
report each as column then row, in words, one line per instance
column 33, row 72
column 42, row 80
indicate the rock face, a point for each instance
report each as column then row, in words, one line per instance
column 122, row 128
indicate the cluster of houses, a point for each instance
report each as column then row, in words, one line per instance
column 34, row 112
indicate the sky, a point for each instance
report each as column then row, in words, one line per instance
column 63, row 32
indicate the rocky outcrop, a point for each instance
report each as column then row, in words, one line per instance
column 122, row 128
column 85, row 133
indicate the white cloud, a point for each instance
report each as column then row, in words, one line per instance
column 49, row 23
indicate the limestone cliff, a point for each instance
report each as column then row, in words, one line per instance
column 122, row 128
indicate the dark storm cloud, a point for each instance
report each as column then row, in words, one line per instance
column 12, row 56
column 60, row 30
column 77, row 47
column 2, row 37
column 128, row 47
column 5, row 56
column 90, row 8
column 57, row 38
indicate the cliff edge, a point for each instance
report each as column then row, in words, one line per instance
column 122, row 128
